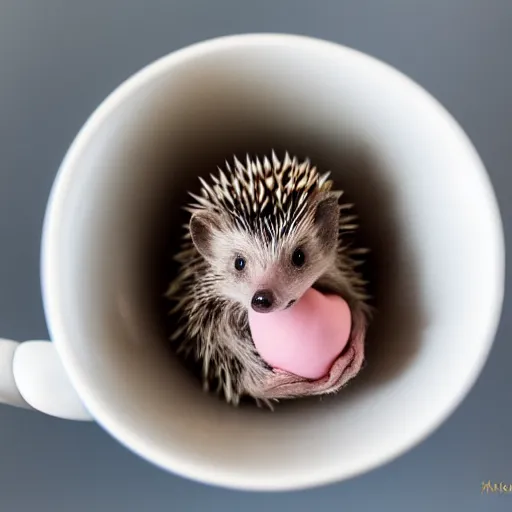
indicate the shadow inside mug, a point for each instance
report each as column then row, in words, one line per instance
column 226, row 123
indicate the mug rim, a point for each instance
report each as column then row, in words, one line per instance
column 50, row 271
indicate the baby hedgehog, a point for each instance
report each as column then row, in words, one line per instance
column 259, row 236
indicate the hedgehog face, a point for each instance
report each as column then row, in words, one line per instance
column 260, row 270
column 268, row 230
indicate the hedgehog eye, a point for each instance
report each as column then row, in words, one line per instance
column 298, row 257
column 239, row 263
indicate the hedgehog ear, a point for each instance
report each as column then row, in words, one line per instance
column 202, row 230
column 327, row 217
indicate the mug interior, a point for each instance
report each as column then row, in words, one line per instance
column 426, row 210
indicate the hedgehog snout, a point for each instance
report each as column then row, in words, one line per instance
column 263, row 301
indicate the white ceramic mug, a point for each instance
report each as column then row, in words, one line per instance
column 426, row 209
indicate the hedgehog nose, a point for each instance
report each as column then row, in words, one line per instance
column 262, row 301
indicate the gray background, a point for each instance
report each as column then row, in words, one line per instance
column 59, row 59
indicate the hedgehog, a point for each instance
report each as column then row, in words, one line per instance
column 272, row 222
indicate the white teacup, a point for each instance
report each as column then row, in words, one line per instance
column 427, row 211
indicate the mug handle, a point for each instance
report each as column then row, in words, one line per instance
column 32, row 376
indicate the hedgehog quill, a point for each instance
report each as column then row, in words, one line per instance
column 260, row 235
